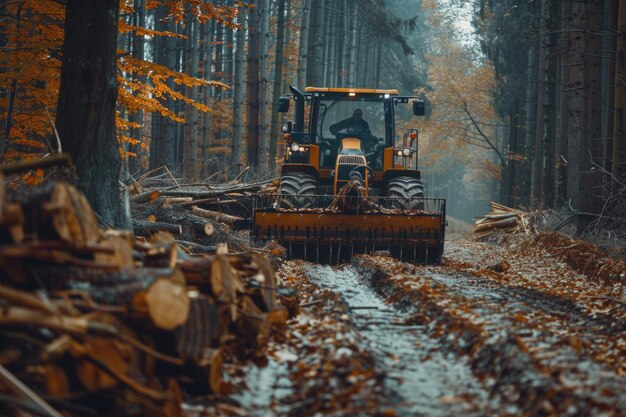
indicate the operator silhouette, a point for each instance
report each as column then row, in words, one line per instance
column 354, row 125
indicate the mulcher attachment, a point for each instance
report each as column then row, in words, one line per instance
column 332, row 229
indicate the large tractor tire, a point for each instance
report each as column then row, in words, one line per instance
column 297, row 187
column 404, row 193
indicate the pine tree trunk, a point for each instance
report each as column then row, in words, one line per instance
column 86, row 108
column 303, row 50
column 236, row 155
column 264, row 88
column 207, row 73
column 609, row 43
column 531, row 125
column 353, row 47
column 316, row 45
column 377, row 64
column 591, row 145
column 342, row 46
column 158, row 121
column 190, row 148
column 540, row 133
column 252, row 82
column 508, row 196
column 278, row 78
column 619, row 130
column 575, row 103
column 138, row 51
column 170, row 139
column 328, row 47
column 550, row 109
column 564, row 112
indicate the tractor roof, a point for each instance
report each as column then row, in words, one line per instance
column 349, row 90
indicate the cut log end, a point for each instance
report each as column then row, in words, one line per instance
column 167, row 304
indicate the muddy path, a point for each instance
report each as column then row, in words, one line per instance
column 381, row 337
column 420, row 378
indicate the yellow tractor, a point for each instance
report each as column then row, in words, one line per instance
column 349, row 182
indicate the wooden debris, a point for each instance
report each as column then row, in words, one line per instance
column 209, row 214
column 200, row 214
column 502, row 266
column 501, row 218
column 135, row 318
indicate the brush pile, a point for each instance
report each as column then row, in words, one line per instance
column 198, row 215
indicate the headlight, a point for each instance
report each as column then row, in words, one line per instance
column 406, row 151
column 295, row 147
column 285, row 128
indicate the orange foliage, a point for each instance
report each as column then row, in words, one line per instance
column 463, row 121
column 33, row 61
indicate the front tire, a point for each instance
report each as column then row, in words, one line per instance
column 406, row 193
column 296, row 188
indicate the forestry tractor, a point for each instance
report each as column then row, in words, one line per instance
column 349, row 182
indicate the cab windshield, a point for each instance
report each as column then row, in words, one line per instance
column 338, row 117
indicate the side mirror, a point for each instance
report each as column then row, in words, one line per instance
column 283, row 104
column 419, row 107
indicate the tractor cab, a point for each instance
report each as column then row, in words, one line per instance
column 326, row 117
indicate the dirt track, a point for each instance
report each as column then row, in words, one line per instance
column 378, row 337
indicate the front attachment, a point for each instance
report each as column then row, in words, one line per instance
column 325, row 232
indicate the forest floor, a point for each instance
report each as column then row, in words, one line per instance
column 509, row 327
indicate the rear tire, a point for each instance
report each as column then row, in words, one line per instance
column 297, row 186
column 404, row 192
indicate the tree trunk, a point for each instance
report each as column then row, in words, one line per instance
column 328, row 47
column 238, row 94
column 190, row 139
column 303, row 50
column 169, row 140
column 352, row 48
column 264, row 88
column 564, row 112
column 531, row 125
column 619, row 130
column 540, row 132
column 207, row 65
column 591, row 145
column 86, row 108
column 278, row 78
column 550, row 107
column 157, row 133
column 609, row 43
column 236, row 155
column 138, row 45
column 507, row 194
column 575, row 103
column 252, row 82
column 316, row 45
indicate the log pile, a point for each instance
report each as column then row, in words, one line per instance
column 96, row 322
column 198, row 215
column 501, row 218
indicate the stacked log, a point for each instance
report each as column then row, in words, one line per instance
column 115, row 325
column 501, row 218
